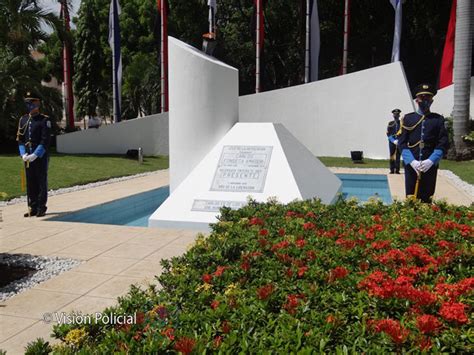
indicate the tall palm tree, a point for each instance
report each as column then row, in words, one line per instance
column 462, row 75
column 21, row 24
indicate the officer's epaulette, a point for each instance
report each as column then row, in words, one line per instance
column 410, row 124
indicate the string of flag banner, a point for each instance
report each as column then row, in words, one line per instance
column 312, row 44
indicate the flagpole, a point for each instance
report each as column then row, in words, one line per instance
column 257, row 66
column 346, row 37
column 307, row 49
column 67, row 73
column 164, row 57
column 114, row 71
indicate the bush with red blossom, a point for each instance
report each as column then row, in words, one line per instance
column 307, row 277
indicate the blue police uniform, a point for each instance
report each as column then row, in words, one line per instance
column 392, row 135
column 33, row 138
column 423, row 136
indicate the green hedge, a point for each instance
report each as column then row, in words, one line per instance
column 306, row 277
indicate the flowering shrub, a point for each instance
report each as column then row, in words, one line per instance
column 308, row 277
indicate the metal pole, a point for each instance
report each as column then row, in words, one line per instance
column 307, row 49
column 164, row 57
column 114, row 71
column 346, row 37
column 257, row 66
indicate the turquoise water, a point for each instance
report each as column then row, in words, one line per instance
column 129, row 211
column 135, row 210
column 364, row 186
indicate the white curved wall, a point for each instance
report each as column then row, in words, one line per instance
column 444, row 101
column 203, row 102
column 335, row 116
column 150, row 133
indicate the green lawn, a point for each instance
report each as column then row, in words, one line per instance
column 69, row 170
column 463, row 169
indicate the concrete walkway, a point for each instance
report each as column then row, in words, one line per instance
column 114, row 256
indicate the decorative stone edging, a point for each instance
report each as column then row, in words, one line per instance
column 46, row 267
column 65, row 190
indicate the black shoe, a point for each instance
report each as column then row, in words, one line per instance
column 397, row 172
column 30, row 214
column 391, row 172
column 41, row 213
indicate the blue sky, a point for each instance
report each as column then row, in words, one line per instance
column 54, row 5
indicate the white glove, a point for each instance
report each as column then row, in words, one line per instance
column 395, row 142
column 416, row 165
column 24, row 157
column 32, row 157
column 426, row 165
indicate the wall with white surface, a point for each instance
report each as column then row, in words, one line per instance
column 334, row 116
column 444, row 101
column 203, row 102
column 150, row 133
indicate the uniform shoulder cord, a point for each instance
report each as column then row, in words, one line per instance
column 414, row 126
column 21, row 129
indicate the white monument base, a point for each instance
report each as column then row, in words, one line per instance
column 258, row 160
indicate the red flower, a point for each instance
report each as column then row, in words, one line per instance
column 225, row 327
column 393, row 328
column 169, row 333
column 393, row 256
column 217, row 341
column 255, row 221
column 207, row 278
column 428, row 324
column 302, row 270
column 281, row 232
column 292, row 302
column 311, row 255
column 161, row 311
column 425, row 344
column 338, row 272
column 245, row 266
column 364, row 266
column 283, row 244
column 263, row 232
column 453, row 312
column 215, row 304
column 300, row 243
column 291, row 214
column 381, row 245
column 184, row 345
column 443, row 244
column 376, row 218
column 264, row 292
column 263, row 242
column 330, row 319
column 311, row 215
column 309, row 226
column 220, row 270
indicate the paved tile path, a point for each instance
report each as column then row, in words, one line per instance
column 114, row 256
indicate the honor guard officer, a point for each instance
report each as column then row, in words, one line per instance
column 423, row 142
column 392, row 134
column 33, row 138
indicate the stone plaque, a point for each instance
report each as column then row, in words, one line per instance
column 242, row 168
column 215, row 205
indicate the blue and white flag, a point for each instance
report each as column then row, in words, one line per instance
column 314, row 40
column 397, row 34
column 114, row 41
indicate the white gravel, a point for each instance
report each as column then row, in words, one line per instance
column 46, row 267
column 77, row 188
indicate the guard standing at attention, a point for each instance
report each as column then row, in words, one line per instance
column 423, row 142
column 392, row 135
column 33, row 136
